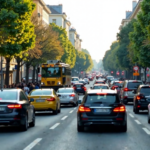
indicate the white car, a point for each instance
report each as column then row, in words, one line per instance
column 86, row 80
column 74, row 80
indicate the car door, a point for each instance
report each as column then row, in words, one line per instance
column 26, row 105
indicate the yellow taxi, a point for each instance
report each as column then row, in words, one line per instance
column 45, row 100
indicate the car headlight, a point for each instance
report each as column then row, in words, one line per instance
column 42, row 83
column 58, row 83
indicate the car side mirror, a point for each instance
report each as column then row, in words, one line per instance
column 31, row 100
column 91, row 87
column 79, row 101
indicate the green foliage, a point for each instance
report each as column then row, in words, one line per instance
column 86, row 51
column 69, row 56
column 123, row 53
column 140, row 35
column 16, row 29
column 110, row 61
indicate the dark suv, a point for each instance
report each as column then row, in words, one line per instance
column 79, row 88
column 141, row 98
column 101, row 107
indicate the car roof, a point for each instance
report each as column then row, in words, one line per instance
column 100, row 84
column 74, row 77
column 42, row 89
column 101, row 91
column 78, row 84
column 144, row 86
column 133, row 80
column 66, row 88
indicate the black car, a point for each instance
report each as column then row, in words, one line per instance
column 117, row 85
column 101, row 107
column 79, row 88
column 141, row 98
column 16, row 109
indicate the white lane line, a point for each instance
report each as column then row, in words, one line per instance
column 146, row 130
column 54, row 126
column 71, row 111
column 75, row 108
column 131, row 115
column 30, row 146
column 138, row 122
column 64, row 118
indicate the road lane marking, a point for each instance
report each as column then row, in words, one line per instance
column 146, row 130
column 54, row 126
column 75, row 108
column 71, row 111
column 30, row 146
column 138, row 122
column 64, row 118
column 131, row 115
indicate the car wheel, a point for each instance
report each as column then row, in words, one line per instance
column 136, row 111
column 148, row 118
column 32, row 124
column 24, row 127
column 55, row 112
column 123, row 128
column 80, row 128
column 59, row 110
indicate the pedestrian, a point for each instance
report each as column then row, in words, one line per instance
column 26, row 89
column 31, row 87
column 36, row 86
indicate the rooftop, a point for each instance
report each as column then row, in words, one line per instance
column 102, row 91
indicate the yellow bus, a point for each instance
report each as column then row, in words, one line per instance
column 55, row 74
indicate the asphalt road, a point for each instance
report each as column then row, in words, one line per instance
column 60, row 133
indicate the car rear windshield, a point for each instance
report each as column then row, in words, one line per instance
column 118, row 83
column 78, row 85
column 65, row 91
column 100, row 87
column 134, row 85
column 75, row 79
column 41, row 92
column 8, row 95
column 102, row 98
column 145, row 91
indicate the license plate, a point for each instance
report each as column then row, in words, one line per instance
column 2, row 108
column 101, row 110
column 40, row 100
column 78, row 88
column 64, row 96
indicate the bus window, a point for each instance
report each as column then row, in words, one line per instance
column 51, row 72
column 64, row 71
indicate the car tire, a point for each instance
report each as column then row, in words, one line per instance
column 24, row 127
column 32, row 124
column 59, row 110
column 123, row 128
column 80, row 128
column 148, row 118
column 136, row 111
column 55, row 112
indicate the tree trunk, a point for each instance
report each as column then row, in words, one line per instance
column 18, row 70
column 7, row 71
column 36, row 75
column 27, row 73
column 33, row 75
column 145, row 74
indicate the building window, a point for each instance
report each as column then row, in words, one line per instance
column 54, row 21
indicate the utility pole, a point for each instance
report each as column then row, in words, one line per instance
column 1, row 73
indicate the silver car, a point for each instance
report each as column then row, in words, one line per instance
column 127, row 91
column 68, row 96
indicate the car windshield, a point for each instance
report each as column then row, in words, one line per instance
column 118, row 83
column 8, row 95
column 145, row 91
column 78, row 86
column 40, row 92
column 65, row 91
column 102, row 98
column 100, row 87
column 134, row 85
column 75, row 79
column 51, row 72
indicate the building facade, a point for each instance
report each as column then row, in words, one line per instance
column 58, row 17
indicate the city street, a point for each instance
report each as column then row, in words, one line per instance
column 59, row 132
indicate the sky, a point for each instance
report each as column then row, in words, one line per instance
column 96, row 21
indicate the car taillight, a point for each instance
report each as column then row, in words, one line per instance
column 51, row 99
column 126, row 89
column 84, row 109
column 138, row 97
column 119, row 109
column 74, row 88
column 84, row 88
column 17, row 106
column 72, row 95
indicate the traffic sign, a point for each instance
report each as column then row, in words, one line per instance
column 112, row 72
column 81, row 72
column 136, row 74
column 135, row 68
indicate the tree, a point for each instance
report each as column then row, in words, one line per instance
column 140, row 36
column 86, row 51
column 69, row 55
column 16, row 29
